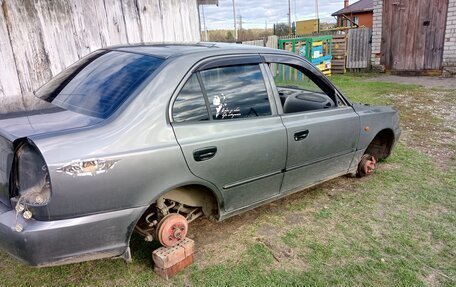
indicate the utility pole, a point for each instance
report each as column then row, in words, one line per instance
column 234, row 18
column 316, row 9
column 296, row 19
column 289, row 17
column 241, row 33
column 206, row 38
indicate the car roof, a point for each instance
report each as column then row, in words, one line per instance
column 168, row 50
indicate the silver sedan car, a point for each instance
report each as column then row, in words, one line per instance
column 148, row 138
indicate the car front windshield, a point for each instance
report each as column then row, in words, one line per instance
column 98, row 84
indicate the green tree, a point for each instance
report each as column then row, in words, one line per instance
column 229, row 36
column 281, row 29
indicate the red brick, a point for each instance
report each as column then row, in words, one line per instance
column 173, row 270
column 166, row 257
column 188, row 245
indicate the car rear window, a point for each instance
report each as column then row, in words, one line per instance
column 99, row 83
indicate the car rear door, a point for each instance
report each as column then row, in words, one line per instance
column 322, row 128
column 226, row 122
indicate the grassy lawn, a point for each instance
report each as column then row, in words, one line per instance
column 395, row 228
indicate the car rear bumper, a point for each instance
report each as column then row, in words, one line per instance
column 44, row 243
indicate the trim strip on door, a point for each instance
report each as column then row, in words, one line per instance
column 318, row 160
column 241, row 182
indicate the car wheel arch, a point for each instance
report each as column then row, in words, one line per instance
column 381, row 144
column 196, row 195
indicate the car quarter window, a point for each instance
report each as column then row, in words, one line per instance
column 297, row 91
column 189, row 104
column 236, row 92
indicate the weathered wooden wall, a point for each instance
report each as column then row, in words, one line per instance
column 413, row 34
column 39, row 38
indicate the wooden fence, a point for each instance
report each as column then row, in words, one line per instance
column 40, row 38
column 359, row 48
column 339, row 54
column 350, row 50
column 270, row 41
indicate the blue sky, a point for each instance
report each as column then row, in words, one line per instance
column 256, row 12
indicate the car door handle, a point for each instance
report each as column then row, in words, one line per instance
column 301, row 135
column 204, row 153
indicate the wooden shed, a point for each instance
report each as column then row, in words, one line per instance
column 413, row 35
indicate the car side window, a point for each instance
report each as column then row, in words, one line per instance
column 298, row 92
column 236, row 92
column 189, row 104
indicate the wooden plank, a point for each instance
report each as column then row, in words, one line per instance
column 338, row 62
column 9, row 81
column 86, row 30
column 440, row 29
column 151, row 20
column 272, row 42
column 132, row 21
column 190, row 26
column 412, row 24
column 32, row 62
column 435, row 35
column 115, row 22
column 430, row 35
column 420, row 36
column 386, row 53
column 58, row 35
column 358, row 50
column 170, row 25
column 401, row 33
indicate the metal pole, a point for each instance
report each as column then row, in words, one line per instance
column 296, row 19
column 199, row 22
column 234, row 18
column 316, row 9
column 205, row 27
column 289, row 17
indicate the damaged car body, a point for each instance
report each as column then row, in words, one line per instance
column 148, row 138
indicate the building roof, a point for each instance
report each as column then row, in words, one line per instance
column 357, row 7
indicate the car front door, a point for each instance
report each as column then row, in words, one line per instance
column 322, row 128
column 226, row 122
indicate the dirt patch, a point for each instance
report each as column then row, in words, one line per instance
column 428, row 121
column 428, row 115
column 427, row 82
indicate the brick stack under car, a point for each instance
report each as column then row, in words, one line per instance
column 168, row 261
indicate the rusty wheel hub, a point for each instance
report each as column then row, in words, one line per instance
column 172, row 229
column 367, row 165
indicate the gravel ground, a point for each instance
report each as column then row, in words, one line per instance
column 427, row 82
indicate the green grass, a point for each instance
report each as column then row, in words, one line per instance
column 395, row 228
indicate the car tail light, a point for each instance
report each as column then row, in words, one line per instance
column 30, row 184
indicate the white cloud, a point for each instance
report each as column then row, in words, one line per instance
column 256, row 12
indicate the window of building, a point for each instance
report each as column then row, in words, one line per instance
column 355, row 20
